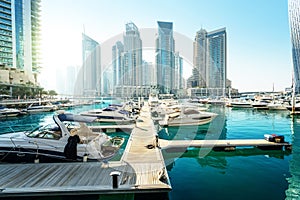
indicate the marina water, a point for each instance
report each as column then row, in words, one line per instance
column 247, row 173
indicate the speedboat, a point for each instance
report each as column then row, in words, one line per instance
column 56, row 142
column 111, row 114
column 187, row 117
column 261, row 104
column 35, row 108
column 9, row 112
column 240, row 104
column 276, row 106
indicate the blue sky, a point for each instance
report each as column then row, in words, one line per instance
column 258, row 38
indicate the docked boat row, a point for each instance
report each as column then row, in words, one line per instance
column 32, row 108
column 265, row 105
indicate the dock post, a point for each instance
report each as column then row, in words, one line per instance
column 114, row 176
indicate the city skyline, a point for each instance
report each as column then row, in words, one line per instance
column 259, row 46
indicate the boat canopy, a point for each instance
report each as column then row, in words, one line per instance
column 110, row 108
column 76, row 118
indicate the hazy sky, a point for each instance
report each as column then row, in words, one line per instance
column 258, row 38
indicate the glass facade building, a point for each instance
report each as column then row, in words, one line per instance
column 6, row 43
column 294, row 18
column 91, row 69
column 210, row 65
column 133, row 60
column 216, row 70
column 118, row 70
column 20, row 34
column 164, row 57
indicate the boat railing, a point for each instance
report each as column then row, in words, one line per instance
column 17, row 128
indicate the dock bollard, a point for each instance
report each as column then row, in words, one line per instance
column 114, row 176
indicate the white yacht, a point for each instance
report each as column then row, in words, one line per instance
column 36, row 108
column 276, row 106
column 260, row 104
column 111, row 114
column 240, row 104
column 63, row 141
column 9, row 112
column 187, row 117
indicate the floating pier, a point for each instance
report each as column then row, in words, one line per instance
column 226, row 145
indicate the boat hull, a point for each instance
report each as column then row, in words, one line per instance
column 235, row 105
column 178, row 122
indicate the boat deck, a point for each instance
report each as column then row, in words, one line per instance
column 113, row 128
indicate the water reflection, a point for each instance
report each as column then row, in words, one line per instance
column 293, row 191
column 218, row 159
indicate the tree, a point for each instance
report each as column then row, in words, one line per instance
column 52, row 93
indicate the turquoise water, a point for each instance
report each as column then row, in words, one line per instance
column 247, row 173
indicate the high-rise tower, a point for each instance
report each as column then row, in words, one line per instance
column 164, row 55
column 133, row 61
column 210, row 55
column 20, row 35
column 294, row 16
column 91, row 69
column 118, row 70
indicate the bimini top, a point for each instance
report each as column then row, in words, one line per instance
column 76, row 118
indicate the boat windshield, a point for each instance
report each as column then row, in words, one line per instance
column 50, row 131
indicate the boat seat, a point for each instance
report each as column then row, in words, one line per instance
column 85, row 133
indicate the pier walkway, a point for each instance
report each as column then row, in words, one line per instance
column 143, row 156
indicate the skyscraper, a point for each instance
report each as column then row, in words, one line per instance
column 210, row 69
column 91, row 66
column 164, row 55
column 133, row 61
column 294, row 17
column 178, row 79
column 217, row 69
column 20, row 35
column 199, row 60
column 118, row 70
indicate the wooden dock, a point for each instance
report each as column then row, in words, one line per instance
column 143, row 156
column 141, row 170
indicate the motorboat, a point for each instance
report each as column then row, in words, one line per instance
column 241, row 104
column 36, row 108
column 187, row 117
column 261, row 104
column 153, row 100
column 111, row 114
column 9, row 112
column 276, row 106
column 56, row 142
